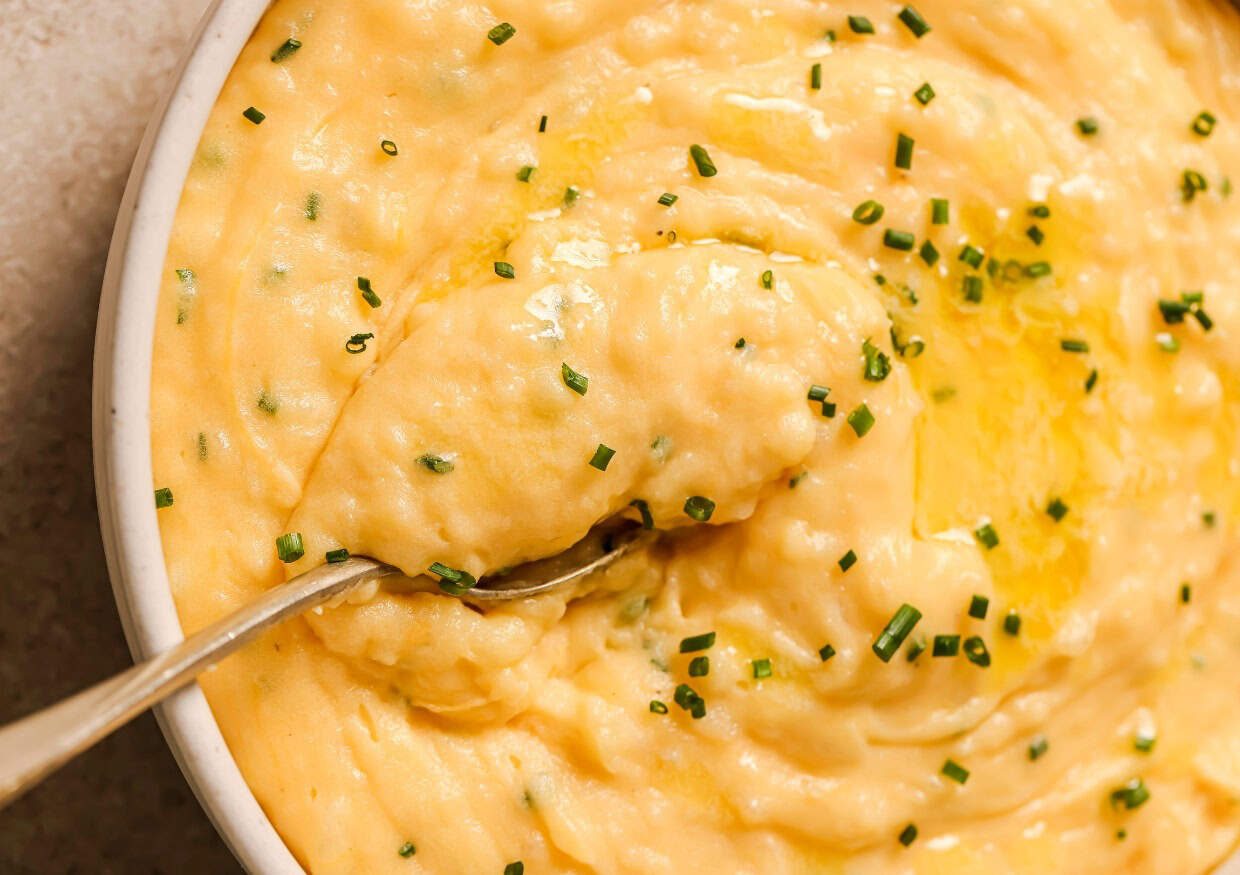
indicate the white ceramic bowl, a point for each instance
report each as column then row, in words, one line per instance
column 121, row 414
column 122, row 441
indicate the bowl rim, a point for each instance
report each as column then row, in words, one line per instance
column 120, row 414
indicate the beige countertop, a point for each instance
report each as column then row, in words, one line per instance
column 77, row 82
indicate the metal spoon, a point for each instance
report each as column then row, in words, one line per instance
column 35, row 746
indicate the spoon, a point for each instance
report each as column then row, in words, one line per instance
column 33, row 747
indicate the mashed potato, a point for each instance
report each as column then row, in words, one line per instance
column 916, row 331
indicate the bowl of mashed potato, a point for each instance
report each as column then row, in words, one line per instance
column 909, row 328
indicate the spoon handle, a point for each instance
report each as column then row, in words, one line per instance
column 33, row 747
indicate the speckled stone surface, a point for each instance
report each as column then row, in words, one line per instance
column 78, row 79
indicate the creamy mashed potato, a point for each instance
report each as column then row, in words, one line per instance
column 916, row 331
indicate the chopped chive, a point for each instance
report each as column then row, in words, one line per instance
column 1121, row 834
column 815, row 77
column 924, row 94
column 573, row 380
column 289, row 547
column 971, row 286
column 972, row 256
column 818, row 393
column 761, row 668
column 868, row 212
column 571, row 194
column 1040, row 211
column 1038, row 747
column 685, row 697
column 956, row 772
column 542, row 124
column 861, row 419
column 877, row 364
column 453, row 581
column 1131, row 795
column 1011, row 623
column 389, row 148
column 900, row 240
column 915, row 648
column 767, row 279
column 1091, row 381
column 1088, row 126
column 438, row 464
column 908, row 835
column 313, row 201
column 524, row 174
column 657, row 707
column 505, row 270
column 667, row 199
column 975, row 651
column 268, row 403
column 1144, row 742
column 830, row 36
column 987, row 536
column 1072, row 344
column 1056, row 509
column 913, row 21
column 1034, row 233
column 828, row 409
column 797, row 478
column 334, row 557
column 860, row 24
column 501, row 33
column 740, row 343
column 1186, row 593
column 1167, row 342
column 826, row 652
column 699, row 508
column 694, row 643
column 515, row 868
column 368, row 293
column 254, row 115
column 1203, row 320
column 940, row 211
column 699, row 666
column 904, row 152
column 285, row 50
column 1203, row 124
column 643, row 508
column 928, row 253
column 1038, row 269
column 896, row 630
column 602, row 457
column 701, row 160
column 945, row 645
column 356, row 344
column 978, row 606
column 847, row 561
column 163, row 498
column 1192, row 182
column 1208, row 519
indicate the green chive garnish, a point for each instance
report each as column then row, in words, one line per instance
column 254, row 115
column 1192, row 182
column 1091, row 381
column 761, row 668
column 515, row 868
column 1144, row 742
column 336, row 556
column 505, row 270
column 826, row 652
column 901, row 240
column 701, row 160
column 524, row 174
column 667, row 199
column 946, row 645
column 163, row 498
column 699, row 508
column 740, row 343
column 972, row 256
column 285, row 50
column 975, row 651
column 501, row 33
column 1186, row 593
column 1131, row 795
column 602, row 457
column 643, row 508
column 289, row 547
column 1037, row 747
column 978, row 606
column 389, row 148
column 657, row 707
column 972, row 289
column 368, row 294
column 847, row 561
column 897, row 629
column 940, row 211
column 1208, row 519
column 1034, row 233
column 1167, row 342
column 1088, row 126
column 861, row 419
column 694, row 643
column 860, row 24
column 904, row 152
column 1011, row 623
column 828, row 409
column 1038, row 269
column 356, row 344
column 913, row 21
column 928, row 253
column 407, row 850
column 908, row 835
column 699, row 666
column 767, row 279
column 924, row 94
column 1072, row 344
column 453, row 581
column 438, row 464
column 542, row 125
column 573, row 380
column 818, row 393
column 877, row 364
column 1040, row 211
column 915, row 648
column 956, row 772
column 987, row 536
column 1056, row 509
column 1203, row 124
column 690, row 701
column 868, row 212
column 815, row 77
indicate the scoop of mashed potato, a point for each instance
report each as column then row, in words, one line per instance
column 914, row 330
